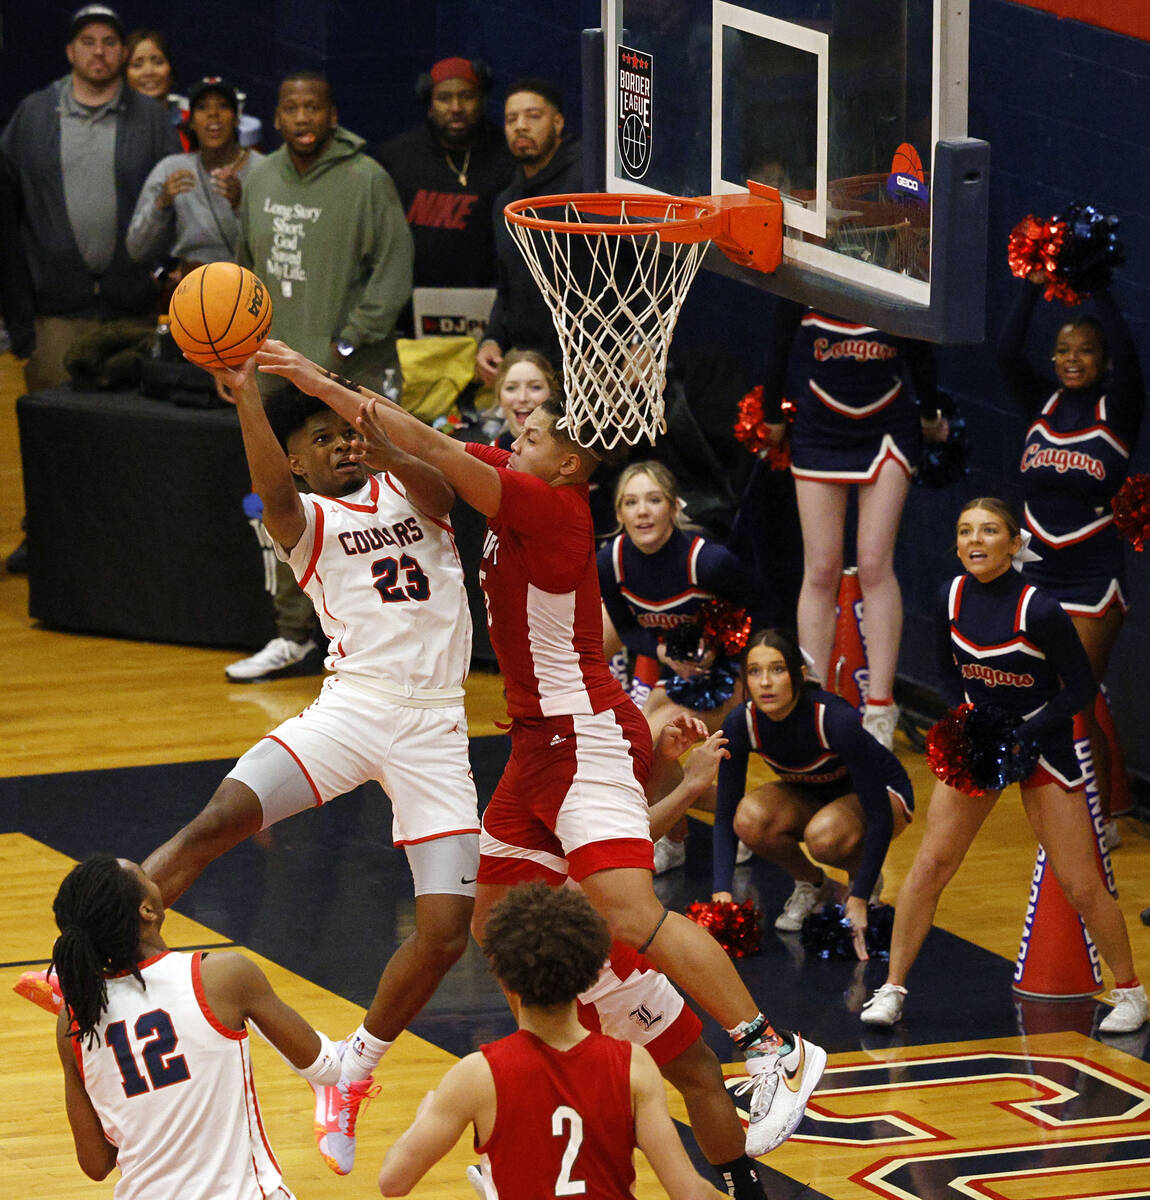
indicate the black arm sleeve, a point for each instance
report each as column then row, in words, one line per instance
column 1026, row 385
column 634, row 637
column 872, row 768
column 731, row 786
column 1126, row 389
column 949, row 681
column 721, row 573
column 784, row 327
column 922, row 370
column 1055, row 633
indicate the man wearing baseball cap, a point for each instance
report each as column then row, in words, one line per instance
column 448, row 170
column 189, row 206
column 80, row 150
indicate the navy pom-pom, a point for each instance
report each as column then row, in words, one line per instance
column 942, row 463
column 828, row 934
column 976, row 748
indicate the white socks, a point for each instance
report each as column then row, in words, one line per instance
column 361, row 1055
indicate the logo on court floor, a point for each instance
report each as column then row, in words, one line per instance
column 633, row 111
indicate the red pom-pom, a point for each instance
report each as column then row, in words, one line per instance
column 946, row 744
column 1131, row 507
column 1036, row 244
column 723, row 626
column 752, row 431
column 736, row 927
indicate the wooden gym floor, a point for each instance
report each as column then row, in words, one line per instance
column 111, row 745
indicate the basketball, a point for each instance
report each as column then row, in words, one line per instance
column 220, row 315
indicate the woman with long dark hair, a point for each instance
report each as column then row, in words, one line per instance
column 840, row 793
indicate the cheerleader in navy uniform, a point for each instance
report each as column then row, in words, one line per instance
column 654, row 576
column 839, row 790
column 856, row 422
column 1009, row 643
column 1076, row 456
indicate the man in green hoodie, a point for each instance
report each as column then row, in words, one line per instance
column 322, row 224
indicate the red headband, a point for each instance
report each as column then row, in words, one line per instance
column 454, row 68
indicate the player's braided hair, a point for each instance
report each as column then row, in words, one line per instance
column 545, row 944
column 97, row 910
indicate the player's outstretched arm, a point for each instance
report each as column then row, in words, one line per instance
column 657, row 1137
column 238, row 991
column 424, row 484
column 283, row 515
column 477, row 482
column 95, row 1154
column 667, row 803
column 466, row 1094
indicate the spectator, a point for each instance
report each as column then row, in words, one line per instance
column 533, row 123
column 148, row 65
column 189, row 206
column 448, row 172
column 80, row 150
column 15, row 286
column 524, row 380
column 322, row 225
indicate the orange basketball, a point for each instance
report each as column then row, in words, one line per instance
column 220, row 314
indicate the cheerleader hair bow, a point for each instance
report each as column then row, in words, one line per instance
column 1025, row 554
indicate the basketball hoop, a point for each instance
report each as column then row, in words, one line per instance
column 615, row 270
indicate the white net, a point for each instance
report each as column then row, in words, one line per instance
column 614, row 299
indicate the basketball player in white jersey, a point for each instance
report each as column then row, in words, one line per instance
column 376, row 554
column 157, row 1066
column 570, row 803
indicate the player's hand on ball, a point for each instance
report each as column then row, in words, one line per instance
column 233, row 382
column 278, row 358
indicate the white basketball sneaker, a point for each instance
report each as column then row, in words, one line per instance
column 885, row 1006
column 780, row 1085
column 1129, row 1012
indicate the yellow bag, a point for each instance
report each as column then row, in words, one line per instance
column 435, row 371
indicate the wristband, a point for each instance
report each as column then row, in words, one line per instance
column 326, row 1068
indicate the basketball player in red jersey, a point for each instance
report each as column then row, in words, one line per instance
column 571, row 802
column 557, row 1110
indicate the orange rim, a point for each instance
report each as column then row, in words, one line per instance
column 701, row 217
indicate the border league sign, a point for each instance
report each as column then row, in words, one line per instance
column 633, row 110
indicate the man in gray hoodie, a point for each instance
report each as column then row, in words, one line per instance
column 322, row 224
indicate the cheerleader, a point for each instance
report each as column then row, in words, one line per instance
column 655, row 575
column 856, row 422
column 1009, row 643
column 838, row 790
column 1075, row 457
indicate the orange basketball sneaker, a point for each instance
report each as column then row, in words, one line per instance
column 41, row 988
column 337, row 1109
